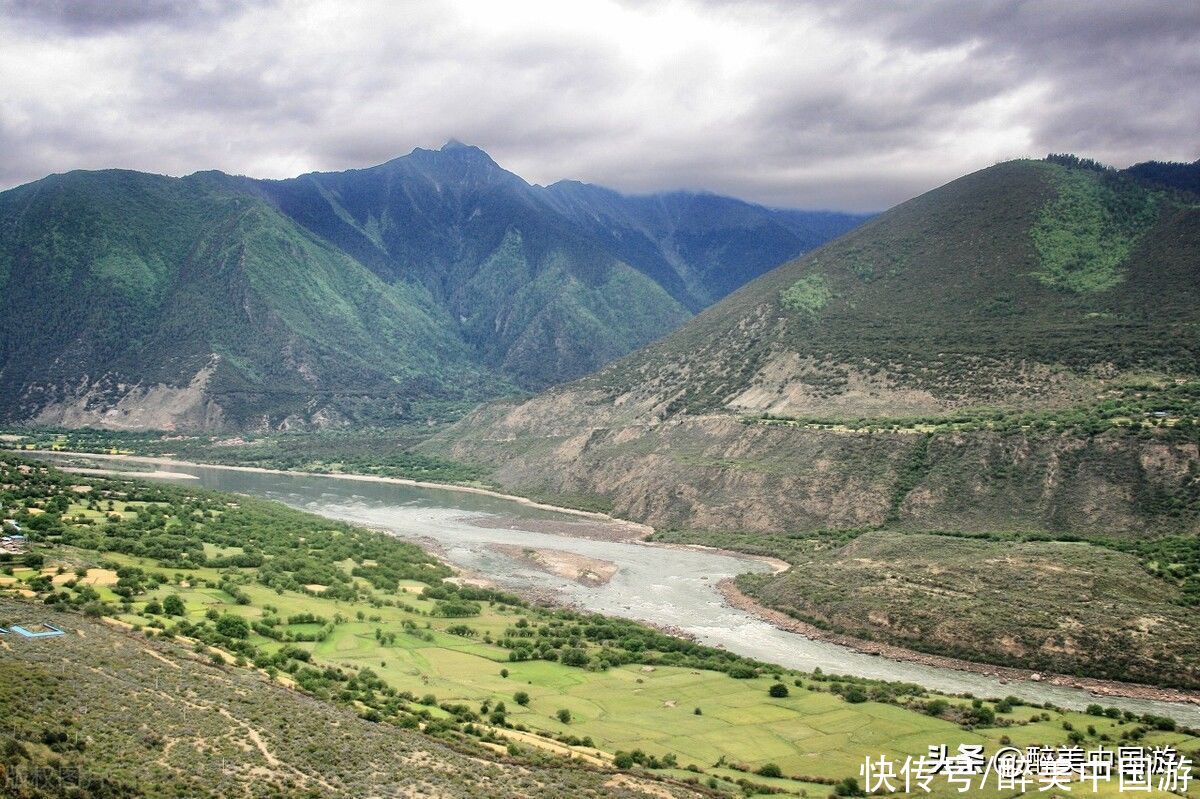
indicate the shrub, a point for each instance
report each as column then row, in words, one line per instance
column 173, row 606
column 574, row 657
column 778, row 690
column 849, row 787
column 856, row 695
column 232, row 626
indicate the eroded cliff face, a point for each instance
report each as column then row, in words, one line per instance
column 113, row 405
column 716, row 472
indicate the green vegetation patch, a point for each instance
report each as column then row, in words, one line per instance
column 807, row 295
column 385, row 451
column 1083, row 609
column 1085, row 234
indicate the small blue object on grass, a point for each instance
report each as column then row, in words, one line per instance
column 50, row 632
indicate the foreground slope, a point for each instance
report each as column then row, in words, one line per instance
column 158, row 720
column 900, row 371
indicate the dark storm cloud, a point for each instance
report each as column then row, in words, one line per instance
column 97, row 16
column 853, row 105
column 1120, row 75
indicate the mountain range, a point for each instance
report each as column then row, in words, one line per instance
column 1038, row 320
column 212, row 301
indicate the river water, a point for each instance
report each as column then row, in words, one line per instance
column 668, row 586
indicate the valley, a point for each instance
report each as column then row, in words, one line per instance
column 510, row 543
column 465, row 664
column 646, row 400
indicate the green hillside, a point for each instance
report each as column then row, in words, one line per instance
column 1012, row 357
column 983, row 308
column 1027, row 282
column 374, row 296
column 142, row 301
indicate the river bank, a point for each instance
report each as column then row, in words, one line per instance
column 1099, row 688
column 672, row 587
column 641, row 530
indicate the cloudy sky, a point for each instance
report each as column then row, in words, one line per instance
column 853, row 105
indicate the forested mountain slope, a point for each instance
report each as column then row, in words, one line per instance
column 550, row 283
column 143, row 301
column 211, row 301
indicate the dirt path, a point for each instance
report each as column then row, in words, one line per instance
column 1101, row 688
column 252, row 733
column 157, row 656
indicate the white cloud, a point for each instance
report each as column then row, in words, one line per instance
column 785, row 103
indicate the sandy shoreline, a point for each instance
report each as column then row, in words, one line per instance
column 156, row 474
column 1099, row 688
column 643, row 530
column 569, row 565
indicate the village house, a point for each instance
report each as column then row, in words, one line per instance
column 13, row 544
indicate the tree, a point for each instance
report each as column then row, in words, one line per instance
column 857, row 695
column 232, row 626
column 770, row 770
column 849, row 787
column 521, row 698
column 778, row 690
column 574, row 657
column 173, row 606
column 564, row 716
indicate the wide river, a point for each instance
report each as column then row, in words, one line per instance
column 667, row 586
